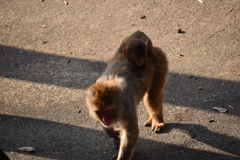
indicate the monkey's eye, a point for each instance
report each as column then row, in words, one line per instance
column 107, row 111
column 99, row 112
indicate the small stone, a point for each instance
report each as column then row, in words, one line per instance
column 65, row 2
column 180, row 31
column 200, row 88
column 143, row 17
column 212, row 120
column 182, row 55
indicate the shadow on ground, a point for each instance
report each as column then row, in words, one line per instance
column 181, row 90
column 64, row 141
column 49, row 69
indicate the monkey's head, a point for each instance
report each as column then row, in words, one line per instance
column 103, row 100
column 136, row 51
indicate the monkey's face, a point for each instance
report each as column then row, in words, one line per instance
column 136, row 51
column 138, row 58
column 139, row 61
column 105, row 116
column 103, row 100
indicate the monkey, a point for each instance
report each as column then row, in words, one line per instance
column 136, row 47
column 113, row 98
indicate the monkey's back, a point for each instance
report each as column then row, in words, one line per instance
column 135, row 79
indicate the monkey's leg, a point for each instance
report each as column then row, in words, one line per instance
column 154, row 104
column 153, row 99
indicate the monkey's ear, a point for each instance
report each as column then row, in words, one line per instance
column 125, row 52
column 147, row 43
column 147, row 50
column 93, row 90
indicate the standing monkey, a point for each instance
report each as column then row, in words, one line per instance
column 114, row 97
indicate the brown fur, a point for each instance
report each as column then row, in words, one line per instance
column 104, row 93
column 121, row 87
column 135, row 50
column 138, row 37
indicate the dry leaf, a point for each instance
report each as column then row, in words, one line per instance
column 230, row 106
column 27, row 149
column 219, row 109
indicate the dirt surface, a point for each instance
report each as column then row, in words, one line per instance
column 51, row 51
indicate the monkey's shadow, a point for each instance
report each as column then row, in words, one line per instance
column 61, row 141
column 181, row 89
column 64, row 141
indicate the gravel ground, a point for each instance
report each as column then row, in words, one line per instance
column 52, row 50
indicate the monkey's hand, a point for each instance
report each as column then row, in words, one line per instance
column 116, row 141
column 156, row 121
column 114, row 157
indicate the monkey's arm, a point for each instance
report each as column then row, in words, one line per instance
column 114, row 134
column 128, row 143
column 129, row 133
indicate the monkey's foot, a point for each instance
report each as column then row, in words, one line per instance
column 156, row 122
column 148, row 123
column 114, row 157
column 157, row 127
column 116, row 141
